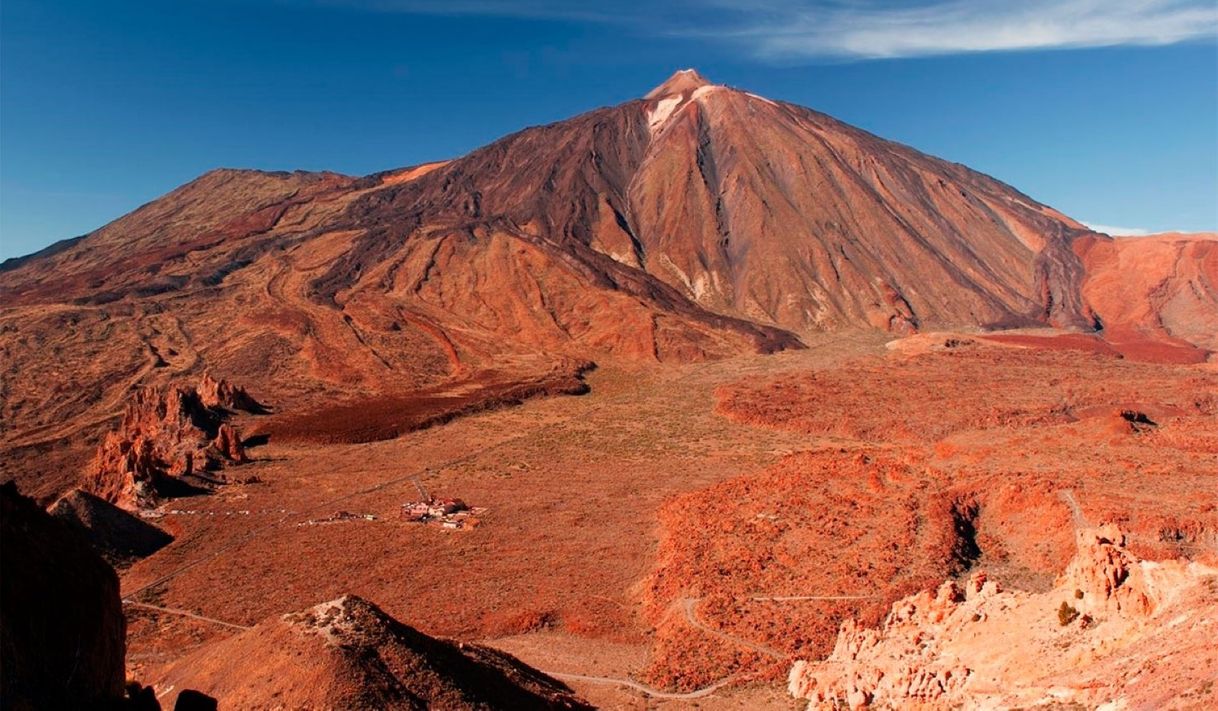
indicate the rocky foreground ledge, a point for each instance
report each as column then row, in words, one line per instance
column 1114, row 629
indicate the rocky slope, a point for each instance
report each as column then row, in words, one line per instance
column 349, row 654
column 698, row 222
column 1114, row 630
column 61, row 622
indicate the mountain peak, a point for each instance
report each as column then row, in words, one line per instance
column 681, row 81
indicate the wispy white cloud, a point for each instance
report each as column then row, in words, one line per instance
column 869, row 29
column 1118, row 231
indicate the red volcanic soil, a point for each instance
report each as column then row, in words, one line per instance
column 850, row 529
column 773, row 500
column 927, row 397
column 1126, row 344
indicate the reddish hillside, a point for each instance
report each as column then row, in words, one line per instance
column 1154, row 288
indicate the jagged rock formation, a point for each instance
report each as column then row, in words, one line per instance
column 120, row 537
column 223, row 395
column 349, row 654
column 1114, row 629
column 170, row 441
column 697, row 222
column 61, row 621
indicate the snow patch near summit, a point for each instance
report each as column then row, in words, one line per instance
column 762, row 98
column 657, row 116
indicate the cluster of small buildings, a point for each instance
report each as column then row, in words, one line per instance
column 446, row 513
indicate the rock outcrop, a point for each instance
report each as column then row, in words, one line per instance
column 1106, row 577
column 973, row 644
column 171, row 441
column 223, row 395
column 348, row 653
column 62, row 632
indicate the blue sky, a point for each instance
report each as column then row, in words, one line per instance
column 1105, row 109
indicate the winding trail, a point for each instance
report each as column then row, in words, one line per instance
column 793, row 598
column 630, row 684
column 183, row 613
column 689, row 604
column 1076, row 511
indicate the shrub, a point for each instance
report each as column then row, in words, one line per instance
column 1066, row 614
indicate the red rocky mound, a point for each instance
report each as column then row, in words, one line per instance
column 779, row 558
column 62, row 631
column 170, row 442
column 349, row 654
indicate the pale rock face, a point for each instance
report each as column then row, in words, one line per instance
column 1110, row 578
column 704, row 91
column 977, row 645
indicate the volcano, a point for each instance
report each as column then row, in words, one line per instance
column 698, row 222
